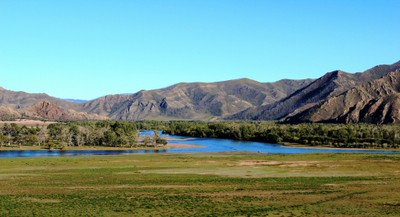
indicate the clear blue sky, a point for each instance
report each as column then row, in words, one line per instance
column 88, row 48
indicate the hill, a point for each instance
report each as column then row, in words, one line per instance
column 331, row 84
column 193, row 101
column 377, row 102
column 18, row 104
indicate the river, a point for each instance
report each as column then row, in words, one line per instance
column 206, row 145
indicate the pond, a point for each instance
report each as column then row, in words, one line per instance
column 205, row 145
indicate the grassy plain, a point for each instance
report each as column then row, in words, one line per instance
column 202, row 185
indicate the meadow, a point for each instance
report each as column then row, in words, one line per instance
column 201, row 185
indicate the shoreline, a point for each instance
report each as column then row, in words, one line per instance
column 172, row 146
column 297, row 145
column 99, row 148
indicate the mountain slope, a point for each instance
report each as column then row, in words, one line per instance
column 18, row 104
column 19, row 99
column 331, row 84
column 193, row 100
column 377, row 101
column 48, row 110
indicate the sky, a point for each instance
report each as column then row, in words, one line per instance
column 84, row 49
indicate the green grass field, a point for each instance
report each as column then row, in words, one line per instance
column 202, row 185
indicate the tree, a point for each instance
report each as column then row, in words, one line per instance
column 58, row 133
column 147, row 141
column 3, row 139
column 21, row 136
column 133, row 137
column 75, row 137
column 110, row 138
column 157, row 138
column 32, row 140
column 42, row 135
column 10, row 130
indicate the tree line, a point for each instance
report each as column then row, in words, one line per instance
column 332, row 135
column 126, row 134
column 82, row 133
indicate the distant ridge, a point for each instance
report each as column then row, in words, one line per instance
column 18, row 104
column 371, row 96
column 329, row 85
column 193, row 101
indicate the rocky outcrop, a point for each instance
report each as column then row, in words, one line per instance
column 47, row 110
column 377, row 101
column 329, row 85
column 8, row 113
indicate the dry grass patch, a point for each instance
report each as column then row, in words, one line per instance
column 280, row 163
column 27, row 122
column 37, row 200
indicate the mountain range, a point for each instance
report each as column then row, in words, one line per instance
column 330, row 85
column 339, row 97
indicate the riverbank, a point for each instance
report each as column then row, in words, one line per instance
column 100, row 148
column 298, row 145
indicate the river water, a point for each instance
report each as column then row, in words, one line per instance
column 205, row 145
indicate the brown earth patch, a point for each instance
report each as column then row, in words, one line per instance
column 258, row 193
column 280, row 163
column 258, row 162
column 37, row 200
column 111, row 187
column 27, row 122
